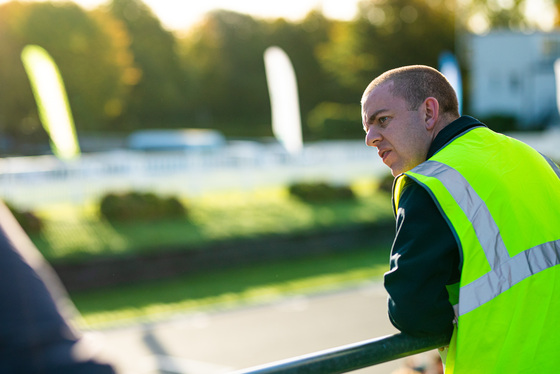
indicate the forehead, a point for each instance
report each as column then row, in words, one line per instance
column 381, row 98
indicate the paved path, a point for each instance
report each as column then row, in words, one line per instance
column 223, row 341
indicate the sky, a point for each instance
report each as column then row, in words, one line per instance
column 180, row 15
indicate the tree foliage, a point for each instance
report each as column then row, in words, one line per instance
column 158, row 97
column 91, row 51
column 223, row 58
column 387, row 34
column 486, row 14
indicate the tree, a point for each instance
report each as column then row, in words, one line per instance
column 223, row 56
column 301, row 40
column 556, row 8
column 483, row 15
column 91, row 51
column 18, row 117
column 387, row 34
column 159, row 98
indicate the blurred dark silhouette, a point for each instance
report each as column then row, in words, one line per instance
column 36, row 335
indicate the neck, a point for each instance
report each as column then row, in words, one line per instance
column 443, row 120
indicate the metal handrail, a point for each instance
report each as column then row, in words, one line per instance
column 352, row 356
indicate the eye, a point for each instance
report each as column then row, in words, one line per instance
column 382, row 120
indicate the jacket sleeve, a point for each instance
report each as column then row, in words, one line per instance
column 424, row 259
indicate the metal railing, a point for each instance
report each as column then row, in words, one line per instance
column 353, row 356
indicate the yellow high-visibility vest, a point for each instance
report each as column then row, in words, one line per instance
column 501, row 199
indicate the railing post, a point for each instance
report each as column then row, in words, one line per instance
column 353, row 356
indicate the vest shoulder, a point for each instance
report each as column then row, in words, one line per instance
column 406, row 189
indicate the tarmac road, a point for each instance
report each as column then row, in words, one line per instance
column 219, row 342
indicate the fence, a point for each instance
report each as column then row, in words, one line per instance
column 35, row 181
column 354, row 356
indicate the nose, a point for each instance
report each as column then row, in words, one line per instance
column 372, row 137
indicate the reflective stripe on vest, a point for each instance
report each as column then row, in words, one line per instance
column 552, row 165
column 505, row 271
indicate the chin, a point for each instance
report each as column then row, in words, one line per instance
column 394, row 170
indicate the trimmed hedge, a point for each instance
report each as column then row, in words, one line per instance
column 140, row 206
column 320, row 192
column 27, row 219
column 386, row 183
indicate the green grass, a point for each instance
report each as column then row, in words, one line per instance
column 156, row 300
column 78, row 233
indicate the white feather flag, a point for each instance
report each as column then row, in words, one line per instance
column 284, row 100
column 52, row 102
column 449, row 67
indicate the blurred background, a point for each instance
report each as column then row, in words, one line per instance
column 188, row 235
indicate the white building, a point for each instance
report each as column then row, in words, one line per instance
column 512, row 73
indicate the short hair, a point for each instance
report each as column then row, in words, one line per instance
column 415, row 83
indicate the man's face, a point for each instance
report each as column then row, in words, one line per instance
column 400, row 135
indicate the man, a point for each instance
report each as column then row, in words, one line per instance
column 478, row 228
column 35, row 335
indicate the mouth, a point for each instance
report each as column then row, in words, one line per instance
column 383, row 154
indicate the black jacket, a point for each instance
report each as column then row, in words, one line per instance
column 425, row 256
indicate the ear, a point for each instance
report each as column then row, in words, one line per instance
column 431, row 114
